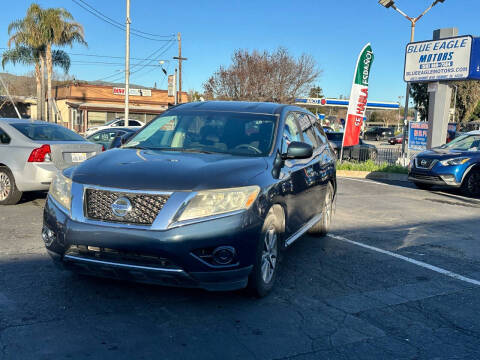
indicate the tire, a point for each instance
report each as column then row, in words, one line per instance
column 9, row 194
column 373, row 155
column 321, row 228
column 377, row 138
column 423, row 186
column 265, row 268
column 471, row 183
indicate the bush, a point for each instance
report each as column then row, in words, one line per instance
column 370, row 165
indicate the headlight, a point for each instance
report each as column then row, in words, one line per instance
column 60, row 190
column 221, row 201
column 454, row 161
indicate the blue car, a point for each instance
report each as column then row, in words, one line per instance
column 456, row 165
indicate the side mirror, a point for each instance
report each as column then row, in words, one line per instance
column 126, row 137
column 298, row 150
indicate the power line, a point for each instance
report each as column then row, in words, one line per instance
column 116, row 24
column 121, row 24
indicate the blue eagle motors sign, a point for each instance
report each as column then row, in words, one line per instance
column 456, row 58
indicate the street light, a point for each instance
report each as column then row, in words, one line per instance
column 413, row 21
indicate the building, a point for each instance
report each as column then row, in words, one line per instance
column 80, row 106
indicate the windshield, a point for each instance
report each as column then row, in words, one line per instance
column 464, row 143
column 334, row 136
column 47, row 132
column 208, row 131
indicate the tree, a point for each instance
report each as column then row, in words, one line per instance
column 419, row 93
column 39, row 30
column 263, row 76
column 316, row 92
column 28, row 33
column 468, row 98
column 61, row 30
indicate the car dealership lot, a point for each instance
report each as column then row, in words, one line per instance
column 334, row 298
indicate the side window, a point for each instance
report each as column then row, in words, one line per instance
column 135, row 123
column 4, row 138
column 291, row 131
column 120, row 123
column 307, row 131
column 318, row 129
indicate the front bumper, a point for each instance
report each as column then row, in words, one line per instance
column 173, row 255
column 438, row 175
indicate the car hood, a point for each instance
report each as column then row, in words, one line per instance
column 166, row 170
column 442, row 154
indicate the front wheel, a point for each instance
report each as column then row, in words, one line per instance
column 321, row 228
column 264, row 271
column 9, row 194
column 471, row 183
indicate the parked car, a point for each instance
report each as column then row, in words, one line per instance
column 456, row 165
column 31, row 152
column 398, row 139
column 328, row 129
column 206, row 195
column 378, row 133
column 106, row 137
column 360, row 152
column 135, row 124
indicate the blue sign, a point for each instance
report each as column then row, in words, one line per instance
column 417, row 135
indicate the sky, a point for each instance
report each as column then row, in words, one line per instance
column 332, row 32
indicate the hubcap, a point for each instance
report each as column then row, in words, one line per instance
column 5, row 186
column 269, row 255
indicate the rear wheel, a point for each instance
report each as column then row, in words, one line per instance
column 9, row 194
column 377, row 138
column 423, row 186
column 471, row 183
column 264, row 272
column 321, row 228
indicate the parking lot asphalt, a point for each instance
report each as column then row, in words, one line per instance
column 412, row 294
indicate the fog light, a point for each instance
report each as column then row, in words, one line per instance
column 48, row 236
column 223, row 255
column 449, row 179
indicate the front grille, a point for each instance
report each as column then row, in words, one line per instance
column 425, row 163
column 144, row 209
column 425, row 177
column 120, row 257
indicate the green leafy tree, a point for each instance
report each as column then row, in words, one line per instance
column 28, row 36
column 419, row 93
column 316, row 92
column 61, row 30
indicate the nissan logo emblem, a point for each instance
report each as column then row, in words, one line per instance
column 121, row 207
column 423, row 162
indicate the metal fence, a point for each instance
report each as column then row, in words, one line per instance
column 379, row 155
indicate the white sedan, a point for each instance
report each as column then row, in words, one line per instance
column 114, row 123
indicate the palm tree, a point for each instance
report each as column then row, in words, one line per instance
column 61, row 30
column 29, row 56
column 28, row 37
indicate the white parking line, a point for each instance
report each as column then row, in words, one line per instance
column 412, row 261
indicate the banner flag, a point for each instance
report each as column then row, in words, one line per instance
column 358, row 97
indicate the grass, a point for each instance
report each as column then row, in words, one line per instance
column 369, row 165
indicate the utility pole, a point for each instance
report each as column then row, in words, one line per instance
column 175, row 93
column 180, row 59
column 127, row 62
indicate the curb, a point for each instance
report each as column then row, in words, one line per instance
column 374, row 175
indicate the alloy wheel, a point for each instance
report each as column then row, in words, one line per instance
column 5, row 186
column 269, row 255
